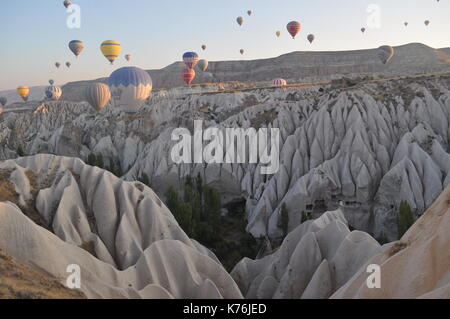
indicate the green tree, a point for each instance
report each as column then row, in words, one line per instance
column 284, row 220
column 406, row 218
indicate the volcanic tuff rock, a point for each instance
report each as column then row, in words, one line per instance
column 418, row 266
column 297, row 67
column 362, row 149
column 313, row 261
column 125, row 240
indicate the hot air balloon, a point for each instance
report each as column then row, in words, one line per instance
column 3, row 101
column 240, row 20
column 203, row 47
column 23, row 92
column 67, row 3
column 242, row 51
column 406, row 24
column 76, row 46
column 51, row 82
column 190, row 59
column 68, row 64
column 53, row 93
column 294, row 28
column 427, row 22
column 128, row 57
column 111, row 50
column 98, row 95
column 249, row 12
column 188, row 75
column 57, row 64
column 203, row 65
column 279, row 82
column 311, row 38
column 385, row 53
column 278, row 33
column 130, row 87
column 363, row 30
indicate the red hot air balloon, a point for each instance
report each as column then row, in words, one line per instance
column 188, row 75
column 294, row 28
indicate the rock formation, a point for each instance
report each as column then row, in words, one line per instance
column 58, row 211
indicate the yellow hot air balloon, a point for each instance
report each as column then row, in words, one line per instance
column 111, row 50
column 23, row 92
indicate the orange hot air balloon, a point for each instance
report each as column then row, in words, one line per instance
column 188, row 75
column 23, row 92
column 294, row 27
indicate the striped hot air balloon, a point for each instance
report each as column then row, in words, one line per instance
column 188, row 75
column 76, row 46
column 23, row 92
column 98, row 95
column 203, row 65
column 53, row 93
column 385, row 53
column 190, row 59
column 111, row 50
column 279, row 82
column 3, row 101
column 294, row 27
column 130, row 87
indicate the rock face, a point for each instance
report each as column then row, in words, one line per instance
column 18, row 281
column 418, row 266
column 297, row 67
column 362, row 148
column 313, row 261
column 125, row 240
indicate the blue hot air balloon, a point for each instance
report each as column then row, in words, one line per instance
column 53, row 93
column 130, row 87
column 190, row 59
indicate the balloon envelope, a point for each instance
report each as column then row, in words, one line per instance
column 427, row 22
column 311, row 38
column 3, row 101
column 23, row 92
column 278, row 33
column 130, row 87
column 53, row 93
column 68, row 64
column 128, row 57
column 188, row 75
column 203, row 65
column 98, row 95
column 190, row 59
column 111, row 50
column 279, row 82
column 240, row 20
column 204, row 47
column 249, row 12
column 363, row 30
column 51, row 82
column 66, row 3
column 385, row 53
column 57, row 64
column 76, row 46
column 294, row 27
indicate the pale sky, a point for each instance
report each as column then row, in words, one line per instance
column 35, row 35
